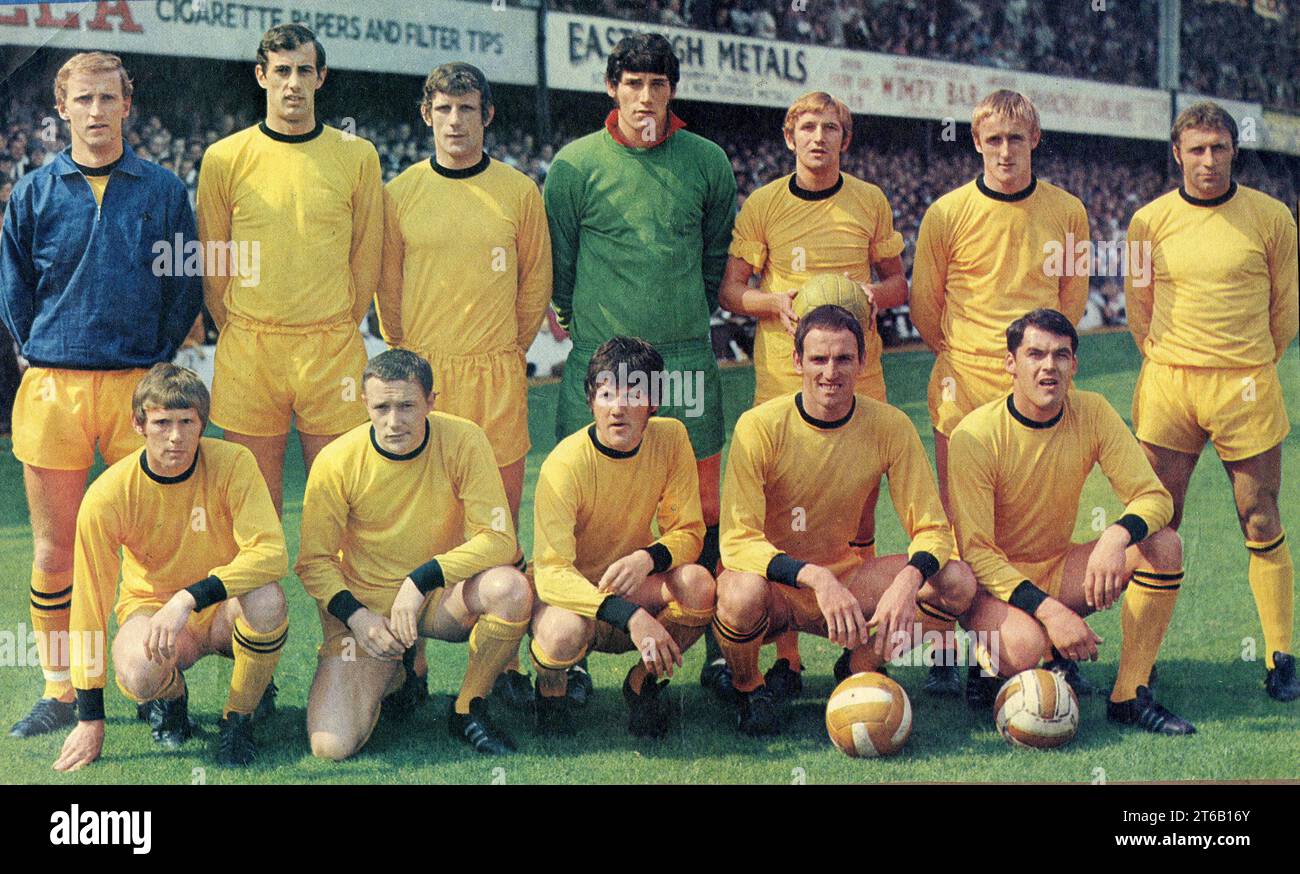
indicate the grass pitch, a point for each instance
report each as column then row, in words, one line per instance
column 1211, row 668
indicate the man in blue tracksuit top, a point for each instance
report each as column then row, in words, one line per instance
column 93, row 288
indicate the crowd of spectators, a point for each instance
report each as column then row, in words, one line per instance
column 1227, row 48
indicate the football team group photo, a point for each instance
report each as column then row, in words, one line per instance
column 692, row 444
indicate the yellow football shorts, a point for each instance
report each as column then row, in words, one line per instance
column 961, row 382
column 338, row 640
column 491, row 390
column 60, row 416
column 1240, row 410
column 265, row 375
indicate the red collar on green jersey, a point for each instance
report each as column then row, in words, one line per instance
column 611, row 124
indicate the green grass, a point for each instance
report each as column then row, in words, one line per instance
column 1242, row 734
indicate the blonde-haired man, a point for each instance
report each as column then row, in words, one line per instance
column 188, row 525
column 815, row 220
column 82, row 292
column 981, row 262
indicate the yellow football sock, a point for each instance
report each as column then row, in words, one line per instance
column 256, row 655
column 787, row 647
column 937, row 620
column 552, row 676
column 51, row 603
column 1147, row 606
column 1272, row 581
column 741, row 650
column 492, row 642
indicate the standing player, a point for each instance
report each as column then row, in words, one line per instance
column 1212, row 325
column 306, row 201
column 1019, row 465
column 79, row 292
column 816, row 220
column 189, row 526
column 406, row 535
column 641, row 215
column 980, row 263
column 800, row 469
column 604, row 580
column 472, row 316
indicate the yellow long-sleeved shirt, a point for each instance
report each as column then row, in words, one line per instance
column 1223, row 290
column 795, row 487
column 790, row 235
column 215, row 520
column 1016, row 483
column 314, row 206
column 491, row 294
column 595, row 505
column 369, row 518
column 981, row 263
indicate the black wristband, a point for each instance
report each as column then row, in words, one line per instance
column 662, row 557
column 90, row 704
column 926, row 563
column 1135, row 525
column 616, row 611
column 1027, row 597
column 207, row 592
column 428, row 576
column 784, row 569
column 343, row 605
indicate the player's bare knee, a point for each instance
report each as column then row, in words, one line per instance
column 1021, row 647
column 333, row 747
column 52, row 554
column 693, row 587
column 562, row 635
column 140, row 677
column 1164, row 550
column 265, row 608
column 505, row 592
column 1259, row 518
column 742, row 598
column 956, row 587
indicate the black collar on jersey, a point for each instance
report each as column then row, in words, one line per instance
column 1213, row 201
column 805, row 194
column 106, row 170
column 167, row 480
column 1028, row 422
column 822, row 423
column 293, row 138
column 1007, row 198
column 392, row 456
column 460, row 174
column 608, row 451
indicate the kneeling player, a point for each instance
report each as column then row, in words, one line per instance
column 1018, row 467
column 405, row 528
column 604, row 581
column 800, row 471
column 184, row 509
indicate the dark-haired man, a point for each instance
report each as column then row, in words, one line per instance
column 406, row 534
column 1018, row 467
column 604, row 580
column 298, row 208
column 641, row 215
column 1222, row 306
column 800, row 470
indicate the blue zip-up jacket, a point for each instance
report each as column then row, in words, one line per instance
column 78, row 288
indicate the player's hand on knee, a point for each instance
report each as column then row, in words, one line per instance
column 374, row 635
column 1104, row 577
column 625, row 575
column 403, row 618
column 1072, row 637
column 845, row 623
column 82, row 746
column 659, row 651
column 165, row 627
column 896, row 611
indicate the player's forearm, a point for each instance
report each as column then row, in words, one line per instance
column 321, row 577
column 562, row 586
column 487, row 548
